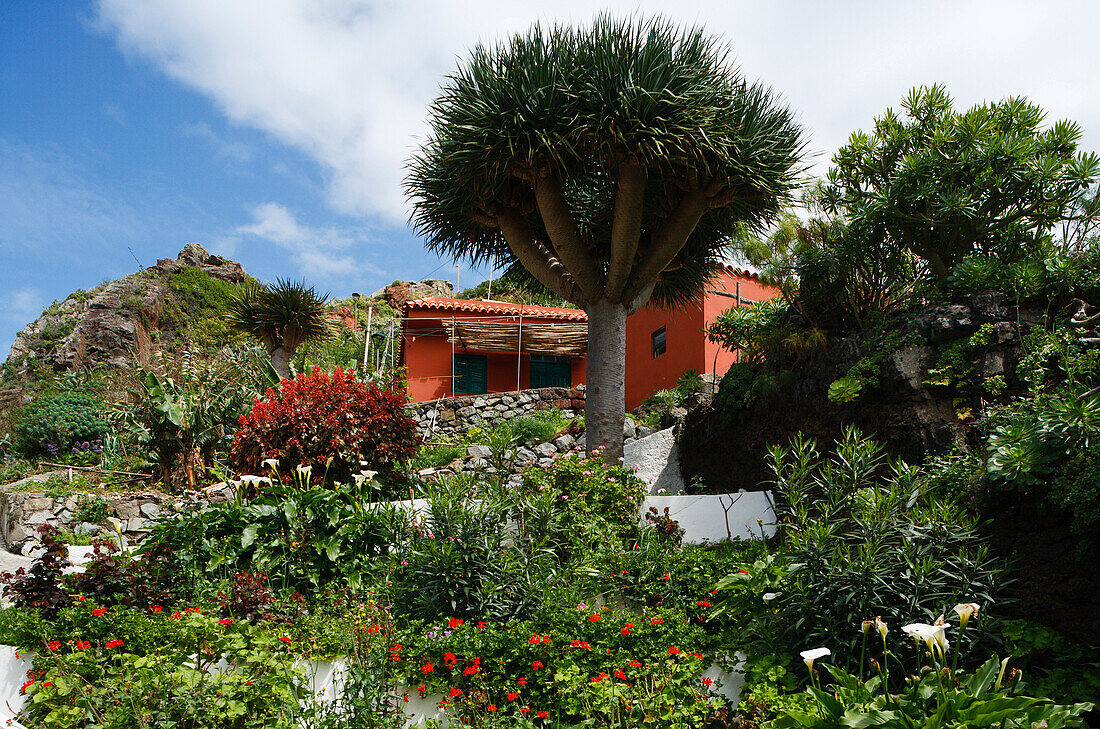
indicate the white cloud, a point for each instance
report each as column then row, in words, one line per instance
column 317, row 251
column 348, row 81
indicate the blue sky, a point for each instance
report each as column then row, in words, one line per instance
column 275, row 131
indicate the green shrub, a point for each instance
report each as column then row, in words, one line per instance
column 436, row 455
column 168, row 685
column 598, row 504
column 14, row 469
column 305, row 538
column 1046, row 445
column 1065, row 670
column 462, row 562
column 90, row 508
column 534, row 427
column 870, row 538
column 53, row 424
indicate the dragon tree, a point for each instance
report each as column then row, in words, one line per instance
column 613, row 163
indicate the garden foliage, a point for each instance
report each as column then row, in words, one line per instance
column 54, row 425
column 332, row 423
column 864, row 537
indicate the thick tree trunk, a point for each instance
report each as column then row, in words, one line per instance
column 280, row 361
column 605, row 393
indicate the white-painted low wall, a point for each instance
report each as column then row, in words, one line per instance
column 714, row 517
column 324, row 680
column 704, row 517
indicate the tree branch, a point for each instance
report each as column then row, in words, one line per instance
column 667, row 242
column 534, row 256
column 626, row 226
column 565, row 237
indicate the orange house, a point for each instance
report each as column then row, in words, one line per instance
column 661, row 345
column 455, row 346
column 460, row 347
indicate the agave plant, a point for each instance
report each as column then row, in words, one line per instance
column 284, row 316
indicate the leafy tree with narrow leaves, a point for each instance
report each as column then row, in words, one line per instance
column 944, row 184
column 613, row 163
column 283, row 316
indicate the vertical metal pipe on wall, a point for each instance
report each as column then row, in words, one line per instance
column 519, row 350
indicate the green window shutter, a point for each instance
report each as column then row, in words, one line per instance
column 547, row 371
column 471, row 374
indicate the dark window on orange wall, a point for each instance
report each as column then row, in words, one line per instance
column 658, row 342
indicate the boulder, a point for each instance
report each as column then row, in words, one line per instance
column 656, row 460
column 564, row 442
column 479, row 451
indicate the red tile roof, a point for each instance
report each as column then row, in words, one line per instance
column 743, row 273
column 496, row 307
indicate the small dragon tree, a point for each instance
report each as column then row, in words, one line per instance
column 284, row 316
column 614, row 163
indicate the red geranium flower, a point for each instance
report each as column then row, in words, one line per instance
column 536, row 665
column 53, row 645
column 99, row 611
column 455, row 691
column 513, row 697
column 544, row 715
column 657, row 621
column 525, row 710
column 82, row 645
column 491, row 707
column 673, row 650
column 594, row 617
column 522, row 681
column 455, row 622
column 225, row 621
column 427, row 668
column 285, row 638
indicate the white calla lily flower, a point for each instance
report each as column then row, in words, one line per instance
column 271, row 463
column 965, row 611
column 808, row 657
column 932, row 635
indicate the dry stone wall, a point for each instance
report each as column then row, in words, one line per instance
column 23, row 512
column 451, row 415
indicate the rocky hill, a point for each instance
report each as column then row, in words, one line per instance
column 121, row 323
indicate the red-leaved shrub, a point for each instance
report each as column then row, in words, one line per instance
column 319, row 416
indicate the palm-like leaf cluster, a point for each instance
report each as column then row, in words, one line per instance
column 285, row 314
column 585, row 130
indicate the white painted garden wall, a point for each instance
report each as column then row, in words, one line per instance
column 325, row 681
